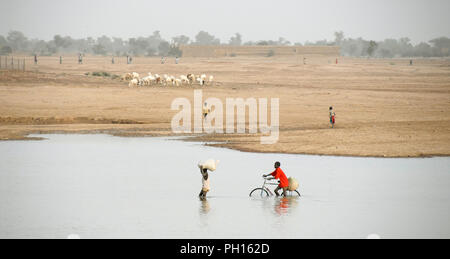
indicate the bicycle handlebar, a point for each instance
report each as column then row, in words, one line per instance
column 267, row 178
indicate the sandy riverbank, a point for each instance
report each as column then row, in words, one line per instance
column 384, row 107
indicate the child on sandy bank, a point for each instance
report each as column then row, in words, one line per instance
column 332, row 117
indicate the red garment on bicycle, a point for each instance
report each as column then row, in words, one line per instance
column 279, row 174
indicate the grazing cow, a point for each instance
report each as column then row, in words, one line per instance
column 191, row 78
column 133, row 82
column 126, row 77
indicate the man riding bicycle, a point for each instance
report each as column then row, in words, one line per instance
column 279, row 174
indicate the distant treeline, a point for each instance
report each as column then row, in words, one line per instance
column 155, row 45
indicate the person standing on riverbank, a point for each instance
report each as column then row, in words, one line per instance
column 332, row 117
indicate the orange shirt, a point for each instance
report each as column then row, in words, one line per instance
column 279, row 174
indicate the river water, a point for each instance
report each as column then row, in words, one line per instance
column 100, row 186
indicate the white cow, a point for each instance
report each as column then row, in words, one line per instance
column 211, row 80
column 184, row 79
column 133, row 82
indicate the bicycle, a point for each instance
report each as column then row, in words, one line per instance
column 264, row 191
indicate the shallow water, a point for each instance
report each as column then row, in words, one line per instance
column 97, row 186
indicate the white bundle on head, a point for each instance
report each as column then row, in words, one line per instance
column 210, row 164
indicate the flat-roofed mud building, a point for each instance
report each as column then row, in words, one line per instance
column 232, row 51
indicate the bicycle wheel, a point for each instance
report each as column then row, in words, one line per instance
column 293, row 193
column 259, row 192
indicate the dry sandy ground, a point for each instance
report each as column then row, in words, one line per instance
column 384, row 107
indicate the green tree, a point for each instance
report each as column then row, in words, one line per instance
column 5, row 50
column 2, row 41
column 372, row 47
column 283, row 42
column 139, row 46
column 118, row 46
column 236, row 40
column 181, row 40
column 163, row 48
column 175, row 51
column 204, row 38
column 441, row 46
column 423, row 50
column 99, row 49
column 339, row 37
column 107, row 44
column 62, row 42
column 17, row 40
column 262, row 43
column 150, row 52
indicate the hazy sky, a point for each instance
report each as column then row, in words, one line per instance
column 295, row 20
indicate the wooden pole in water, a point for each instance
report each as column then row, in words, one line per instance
column 23, row 65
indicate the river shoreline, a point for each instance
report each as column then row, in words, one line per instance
column 207, row 141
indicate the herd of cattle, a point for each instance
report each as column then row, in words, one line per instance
column 166, row 80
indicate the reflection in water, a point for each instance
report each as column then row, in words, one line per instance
column 204, row 210
column 204, row 206
column 278, row 206
column 285, row 205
